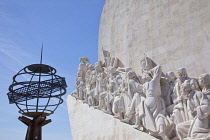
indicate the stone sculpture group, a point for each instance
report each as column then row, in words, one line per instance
column 164, row 105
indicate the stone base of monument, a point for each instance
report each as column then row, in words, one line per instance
column 88, row 123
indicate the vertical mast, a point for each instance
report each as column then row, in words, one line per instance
column 39, row 86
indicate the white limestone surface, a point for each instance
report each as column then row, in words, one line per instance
column 88, row 123
column 173, row 33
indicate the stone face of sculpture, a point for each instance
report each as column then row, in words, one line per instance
column 204, row 82
column 163, row 106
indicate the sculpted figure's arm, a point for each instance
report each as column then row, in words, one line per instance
column 156, row 73
column 120, row 69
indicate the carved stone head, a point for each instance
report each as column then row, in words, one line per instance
column 112, row 70
column 79, row 79
column 84, row 59
column 204, row 80
column 170, row 76
column 119, row 79
column 130, row 75
column 194, row 84
column 146, row 64
column 182, row 73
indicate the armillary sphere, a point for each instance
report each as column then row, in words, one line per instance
column 37, row 97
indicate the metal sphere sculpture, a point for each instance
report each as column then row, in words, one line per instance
column 41, row 94
column 38, row 97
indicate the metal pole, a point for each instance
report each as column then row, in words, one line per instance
column 34, row 131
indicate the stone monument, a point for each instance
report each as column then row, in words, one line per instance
column 151, row 80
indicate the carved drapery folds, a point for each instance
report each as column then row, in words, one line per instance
column 164, row 105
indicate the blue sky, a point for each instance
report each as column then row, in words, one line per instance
column 68, row 30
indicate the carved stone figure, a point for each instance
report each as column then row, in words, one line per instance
column 82, row 67
column 170, row 76
column 199, row 127
column 123, row 99
column 147, row 103
column 110, row 61
column 194, row 87
column 101, row 82
column 134, row 106
column 180, row 108
column 132, row 84
column 169, row 82
column 90, row 85
column 80, row 86
column 146, row 64
column 119, row 105
column 115, row 81
column 152, row 110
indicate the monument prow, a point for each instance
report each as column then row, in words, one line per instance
column 88, row 123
